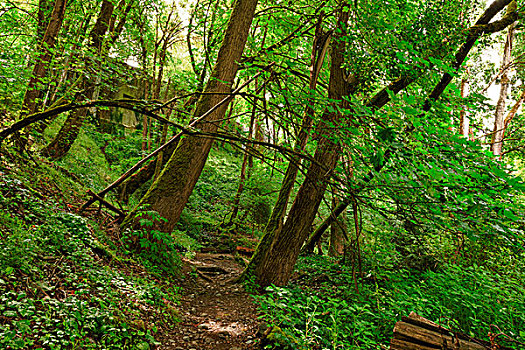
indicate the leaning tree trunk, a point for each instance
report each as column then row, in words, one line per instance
column 273, row 261
column 499, row 115
column 45, row 49
column 382, row 97
column 337, row 231
column 170, row 191
column 464, row 121
column 242, row 178
column 68, row 133
column 320, row 46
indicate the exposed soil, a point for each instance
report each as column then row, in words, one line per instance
column 215, row 312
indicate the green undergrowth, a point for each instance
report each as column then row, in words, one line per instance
column 207, row 215
column 158, row 250
column 96, row 159
column 322, row 309
column 64, row 282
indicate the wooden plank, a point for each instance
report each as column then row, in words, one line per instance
column 421, row 319
column 398, row 344
column 422, row 322
column 426, row 336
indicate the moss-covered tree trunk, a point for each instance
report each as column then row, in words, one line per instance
column 170, row 191
column 278, row 258
column 45, row 52
column 243, row 178
column 275, row 222
column 68, row 133
column 274, row 259
column 320, row 46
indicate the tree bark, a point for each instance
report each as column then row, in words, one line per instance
column 164, row 135
column 45, row 49
column 148, row 171
column 68, row 133
column 320, row 46
column 337, row 231
column 243, row 177
column 188, row 42
column 464, row 122
column 116, row 30
column 101, row 25
column 274, row 260
column 499, row 115
column 170, row 191
column 67, row 76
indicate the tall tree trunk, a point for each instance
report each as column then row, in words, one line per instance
column 337, row 231
column 188, row 43
column 163, row 43
column 116, row 30
column 144, row 146
column 499, row 115
column 164, row 134
column 511, row 115
column 320, row 46
column 44, row 10
column 382, row 97
column 68, row 133
column 45, row 51
column 464, row 122
column 101, row 26
column 319, row 49
column 243, row 177
column 67, row 76
column 145, row 118
column 170, row 191
column 273, row 261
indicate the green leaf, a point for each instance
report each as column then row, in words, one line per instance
column 509, row 214
column 387, row 134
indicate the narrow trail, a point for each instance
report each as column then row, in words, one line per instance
column 215, row 313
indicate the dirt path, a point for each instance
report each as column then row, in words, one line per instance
column 216, row 314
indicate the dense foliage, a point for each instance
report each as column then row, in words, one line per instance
column 63, row 285
column 321, row 310
column 432, row 212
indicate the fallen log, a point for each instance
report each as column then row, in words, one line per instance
column 417, row 333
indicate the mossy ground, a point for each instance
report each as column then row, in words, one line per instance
column 65, row 280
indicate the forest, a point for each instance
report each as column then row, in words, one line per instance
column 262, row 174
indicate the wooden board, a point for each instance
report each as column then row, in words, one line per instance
column 417, row 333
column 420, row 335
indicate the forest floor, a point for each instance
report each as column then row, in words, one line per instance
column 215, row 312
